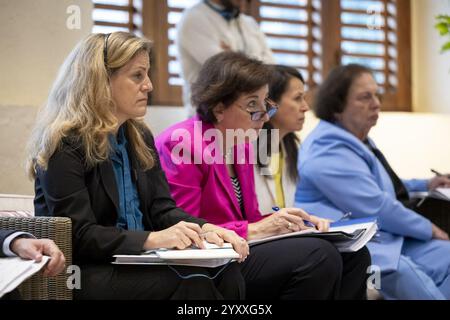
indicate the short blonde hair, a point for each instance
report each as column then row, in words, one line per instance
column 80, row 103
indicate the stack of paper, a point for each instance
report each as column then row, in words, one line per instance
column 358, row 231
column 211, row 257
column 348, row 236
column 14, row 270
column 441, row 193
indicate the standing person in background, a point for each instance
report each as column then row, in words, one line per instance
column 213, row 26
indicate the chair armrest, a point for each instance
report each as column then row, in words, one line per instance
column 59, row 230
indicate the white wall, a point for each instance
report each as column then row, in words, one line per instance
column 159, row 118
column 34, row 41
column 413, row 143
column 430, row 69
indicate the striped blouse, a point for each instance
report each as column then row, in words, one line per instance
column 238, row 192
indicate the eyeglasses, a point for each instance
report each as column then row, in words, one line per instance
column 270, row 106
column 105, row 49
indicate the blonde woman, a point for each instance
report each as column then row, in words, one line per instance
column 93, row 160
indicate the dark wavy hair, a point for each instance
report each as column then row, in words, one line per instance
column 332, row 95
column 223, row 79
column 279, row 83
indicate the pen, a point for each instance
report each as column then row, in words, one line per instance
column 307, row 223
column 436, row 172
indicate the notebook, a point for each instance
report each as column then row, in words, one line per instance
column 211, row 257
column 348, row 235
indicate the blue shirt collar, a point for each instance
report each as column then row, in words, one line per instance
column 120, row 140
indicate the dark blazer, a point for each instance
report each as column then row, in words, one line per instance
column 3, row 235
column 90, row 198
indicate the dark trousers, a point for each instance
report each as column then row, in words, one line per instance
column 304, row 268
column 436, row 210
column 354, row 275
column 13, row 295
column 159, row 282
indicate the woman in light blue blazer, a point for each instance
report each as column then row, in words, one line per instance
column 342, row 171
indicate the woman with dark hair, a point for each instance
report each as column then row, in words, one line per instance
column 209, row 166
column 276, row 171
column 342, row 171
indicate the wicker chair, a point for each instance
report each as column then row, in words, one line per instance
column 59, row 230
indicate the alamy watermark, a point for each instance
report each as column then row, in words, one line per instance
column 374, row 279
column 73, row 21
column 74, row 280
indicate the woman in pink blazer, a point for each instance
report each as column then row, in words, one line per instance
column 208, row 162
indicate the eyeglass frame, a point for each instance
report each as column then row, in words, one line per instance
column 271, row 109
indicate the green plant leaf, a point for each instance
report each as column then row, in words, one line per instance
column 443, row 28
column 445, row 47
column 445, row 18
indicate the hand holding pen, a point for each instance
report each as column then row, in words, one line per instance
column 309, row 220
column 283, row 221
column 437, row 173
column 439, row 181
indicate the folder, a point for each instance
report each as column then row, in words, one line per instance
column 347, row 236
column 211, row 257
column 439, row 194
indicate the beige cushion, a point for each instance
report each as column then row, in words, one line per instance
column 17, row 213
column 16, row 205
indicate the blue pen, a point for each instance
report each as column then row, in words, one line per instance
column 307, row 223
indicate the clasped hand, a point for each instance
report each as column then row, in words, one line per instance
column 184, row 234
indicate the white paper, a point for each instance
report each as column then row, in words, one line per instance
column 213, row 256
column 370, row 228
column 15, row 270
column 444, row 192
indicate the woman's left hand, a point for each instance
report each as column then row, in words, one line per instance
column 218, row 235
column 321, row 224
column 439, row 182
